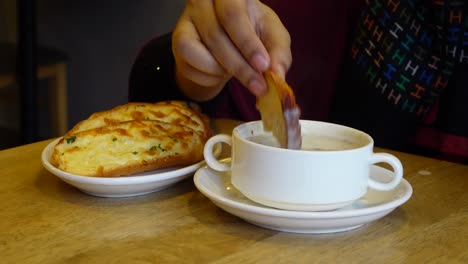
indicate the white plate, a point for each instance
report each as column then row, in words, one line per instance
column 137, row 184
column 374, row 205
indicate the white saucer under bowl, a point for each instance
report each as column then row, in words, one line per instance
column 137, row 184
column 374, row 205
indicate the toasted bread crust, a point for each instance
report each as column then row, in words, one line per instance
column 173, row 112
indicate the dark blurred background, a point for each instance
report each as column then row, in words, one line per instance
column 100, row 40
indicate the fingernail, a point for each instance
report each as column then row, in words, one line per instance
column 260, row 63
column 257, row 88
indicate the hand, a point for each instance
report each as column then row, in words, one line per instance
column 215, row 40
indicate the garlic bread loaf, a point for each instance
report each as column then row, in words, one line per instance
column 134, row 138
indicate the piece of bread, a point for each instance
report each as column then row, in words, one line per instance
column 280, row 113
column 127, row 148
column 134, row 138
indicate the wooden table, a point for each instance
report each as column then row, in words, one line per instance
column 44, row 220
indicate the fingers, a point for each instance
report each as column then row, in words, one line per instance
column 198, row 74
column 187, row 46
column 223, row 48
column 198, row 85
column 238, row 19
column 199, row 77
column 258, row 34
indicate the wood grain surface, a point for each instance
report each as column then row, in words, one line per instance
column 44, row 220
